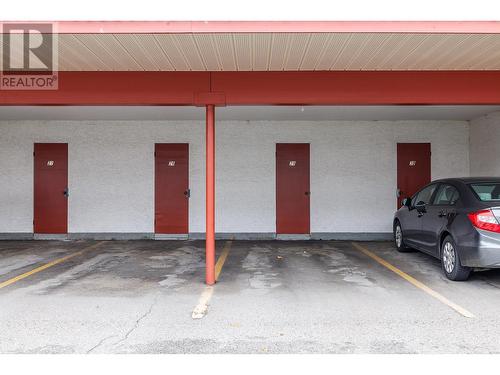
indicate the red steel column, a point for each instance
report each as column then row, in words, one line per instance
column 210, row 195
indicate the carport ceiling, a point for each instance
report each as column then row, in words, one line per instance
column 276, row 113
column 278, row 51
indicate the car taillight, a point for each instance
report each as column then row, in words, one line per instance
column 485, row 220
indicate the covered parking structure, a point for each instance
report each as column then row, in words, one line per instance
column 308, row 171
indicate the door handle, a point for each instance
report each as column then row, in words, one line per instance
column 308, row 193
column 66, row 192
column 398, row 193
column 187, row 193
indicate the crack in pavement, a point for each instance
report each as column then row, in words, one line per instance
column 138, row 321
column 99, row 343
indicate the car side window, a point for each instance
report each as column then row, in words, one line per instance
column 424, row 195
column 446, row 195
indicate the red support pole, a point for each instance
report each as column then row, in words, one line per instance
column 210, row 195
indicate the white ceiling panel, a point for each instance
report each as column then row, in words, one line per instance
column 261, row 51
column 243, row 47
column 278, row 51
column 172, row 51
column 208, row 51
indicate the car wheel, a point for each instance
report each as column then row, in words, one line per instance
column 398, row 238
column 450, row 261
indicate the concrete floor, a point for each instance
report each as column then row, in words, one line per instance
column 272, row 297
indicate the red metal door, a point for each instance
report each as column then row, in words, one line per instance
column 414, row 168
column 50, row 188
column 292, row 188
column 171, row 188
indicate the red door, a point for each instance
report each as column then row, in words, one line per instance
column 51, row 188
column 171, row 188
column 414, row 168
column 292, row 188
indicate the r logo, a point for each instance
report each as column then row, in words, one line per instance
column 27, row 47
column 29, row 60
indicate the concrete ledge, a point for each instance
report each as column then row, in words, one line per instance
column 105, row 236
column 354, row 236
column 15, row 236
column 167, row 237
column 293, row 237
column 236, row 236
column 341, row 236
column 50, row 237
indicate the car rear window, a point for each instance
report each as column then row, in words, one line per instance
column 487, row 192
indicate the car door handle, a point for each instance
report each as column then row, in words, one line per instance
column 187, row 193
column 308, row 193
column 66, row 192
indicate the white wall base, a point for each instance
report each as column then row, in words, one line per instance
column 199, row 236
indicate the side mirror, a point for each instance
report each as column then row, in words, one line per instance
column 406, row 202
column 420, row 206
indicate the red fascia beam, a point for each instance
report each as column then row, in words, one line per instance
column 216, row 98
column 359, row 87
column 115, row 88
column 266, row 88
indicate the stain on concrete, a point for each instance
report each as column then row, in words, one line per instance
column 259, row 268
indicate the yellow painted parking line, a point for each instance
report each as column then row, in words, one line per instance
column 201, row 308
column 47, row 265
column 222, row 259
column 415, row 282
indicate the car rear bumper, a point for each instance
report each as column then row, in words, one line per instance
column 482, row 252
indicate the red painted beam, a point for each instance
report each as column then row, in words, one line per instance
column 210, row 195
column 215, row 98
column 266, row 88
column 359, row 87
column 116, row 88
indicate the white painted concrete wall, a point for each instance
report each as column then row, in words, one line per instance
column 111, row 169
column 485, row 145
column 111, row 172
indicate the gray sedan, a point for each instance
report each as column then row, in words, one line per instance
column 456, row 220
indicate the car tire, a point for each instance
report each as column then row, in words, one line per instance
column 399, row 239
column 450, row 261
